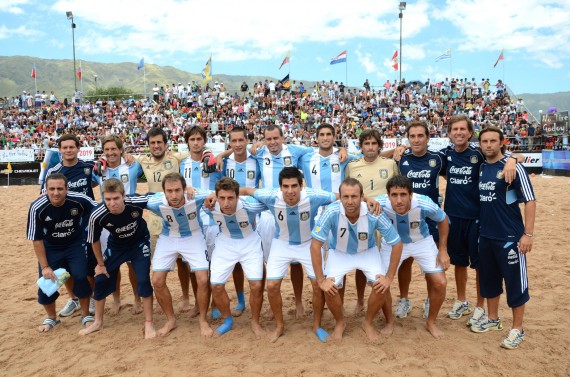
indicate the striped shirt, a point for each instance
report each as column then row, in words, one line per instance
column 242, row 223
column 271, row 165
column 195, row 176
column 324, row 173
column 246, row 173
column 124, row 173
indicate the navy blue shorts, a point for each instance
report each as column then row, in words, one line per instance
column 139, row 256
column 433, row 231
column 91, row 260
column 74, row 260
column 462, row 242
column 498, row 261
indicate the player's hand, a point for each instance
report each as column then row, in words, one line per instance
column 209, row 162
column 47, row 273
column 255, row 147
column 210, row 201
column 525, row 244
column 398, row 152
column 101, row 270
column 342, row 154
column 382, row 284
column 510, row 170
column 191, row 191
column 129, row 159
column 443, row 259
column 329, row 287
column 374, row 207
column 219, row 163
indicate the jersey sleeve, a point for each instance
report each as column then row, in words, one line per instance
column 321, row 197
column 525, row 192
column 34, row 228
column 265, row 196
column 140, row 200
column 253, row 205
column 154, row 203
column 94, row 228
column 389, row 234
column 324, row 224
column 431, row 209
column 200, row 197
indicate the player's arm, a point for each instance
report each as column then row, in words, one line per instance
column 373, row 206
column 326, row 285
column 382, row 284
column 247, row 191
column 100, row 269
column 525, row 243
column 221, row 157
column 254, row 148
column 388, row 153
column 510, row 169
column 47, row 271
column 398, row 152
column 442, row 255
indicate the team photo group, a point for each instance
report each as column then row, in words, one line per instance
column 264, row 211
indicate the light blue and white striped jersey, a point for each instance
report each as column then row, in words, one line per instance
column 293, row 224
column 124, row 173
column 179, row 222
column 192, row 172
column 325, row 173
column 242, row 223
column 412, row 226
column 353, row 238
column 246, row 173
column 271, row 165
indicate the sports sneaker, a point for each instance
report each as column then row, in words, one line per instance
column 71, row 307
column 426, row 308
column 487, row 324
column 92, row 306
column 460, row 308
column 477, row 315
column 403, row 308
column 513, row 340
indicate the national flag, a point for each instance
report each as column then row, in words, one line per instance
column 141, row 65
column 285, row 84
column 34, row 71
column 207, row 71
column 501, row 57
column 395, row 60
column 340, row 58
column 79, row 73
column 286, row 60
column 9, row 167
column 445, row 55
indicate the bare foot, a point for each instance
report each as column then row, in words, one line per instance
column 137, row 307
column 149, row 331
column 268, row 314
column 167, row 328
column 358, row 307
column 185, row 306
column 338, row 331
column 388, row 329
column 300, row 311
column 370, row 331
column 237, row 312
column 205, row 330
column 195, row 312
column 115, row 307
column 95, row 326
column 276, row 334
column 434, row 330
column 258, row 330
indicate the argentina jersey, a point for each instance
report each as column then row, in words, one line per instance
column 353, row 238
column 79, row 177
column 242, row 223
column 192, row 172
column 412, row 226
column 424, row 172
column 462, row 191
column 324, row 173
column 124, row 173
column 271, row 165
column 246, row 173
column 500, row 215
column 179, row 222
column 293, row 224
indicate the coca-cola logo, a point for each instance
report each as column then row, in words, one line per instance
column 419, row 174
column 465, row 170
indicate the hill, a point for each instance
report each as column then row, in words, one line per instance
column 537, row 102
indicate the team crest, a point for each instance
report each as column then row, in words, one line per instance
column 250, row 174
column 335, row 168
column 124, row 178
column 500, row 174
column 135, row 214
column 414, row 224
column 167, row 165
column 87, row 171
column 474, row 159
column 383, row 173
column 205, row 175
column 305, row 216
column 243, row 224
column 362, row 236
column 287, row 161
column 432, row 163
column 74, row 212
column 191, row 215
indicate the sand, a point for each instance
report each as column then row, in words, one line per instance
column 120, row 350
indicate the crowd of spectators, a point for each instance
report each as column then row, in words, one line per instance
column 37, row 120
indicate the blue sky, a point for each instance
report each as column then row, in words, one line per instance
column 252, row 37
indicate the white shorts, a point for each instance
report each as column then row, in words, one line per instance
column 423, row 251
column 210, row 233
column 282, row 255
column 340, row 263
column 266, row 230
column 229, row 251
column 192, row 249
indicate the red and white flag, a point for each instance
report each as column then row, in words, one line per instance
column 34, row 72
column 395, row 61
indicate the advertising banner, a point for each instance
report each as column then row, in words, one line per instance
column 17, row 155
